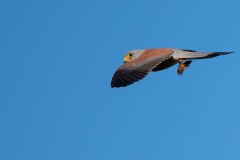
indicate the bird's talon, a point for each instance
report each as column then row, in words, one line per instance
column 183, row 66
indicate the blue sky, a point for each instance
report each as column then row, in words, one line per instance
column 57, row 59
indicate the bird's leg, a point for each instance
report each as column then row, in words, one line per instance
column 183, row 65
column 180, row 67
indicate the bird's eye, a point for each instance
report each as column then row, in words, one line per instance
column 130, row 54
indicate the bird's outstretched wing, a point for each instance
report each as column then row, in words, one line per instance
column 137, row 69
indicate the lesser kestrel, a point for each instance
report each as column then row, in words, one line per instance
column 138, row 63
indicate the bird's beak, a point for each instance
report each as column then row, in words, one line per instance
column 126, row 59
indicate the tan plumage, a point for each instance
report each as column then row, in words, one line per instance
column 138, row 63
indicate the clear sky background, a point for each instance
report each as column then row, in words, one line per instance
column 57, row 58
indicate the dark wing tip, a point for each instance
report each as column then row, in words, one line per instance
column 117, row 84
column 125, row 78
column 188, row 50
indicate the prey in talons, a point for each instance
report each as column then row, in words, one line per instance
column 183, row 65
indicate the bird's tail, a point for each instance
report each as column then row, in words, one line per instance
column 190, row 54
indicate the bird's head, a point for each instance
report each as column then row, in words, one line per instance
column 132, row 55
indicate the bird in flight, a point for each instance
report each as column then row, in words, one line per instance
column 138, row 63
